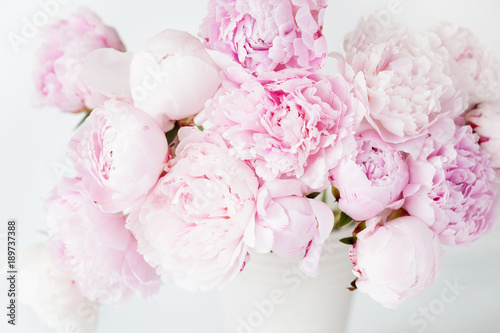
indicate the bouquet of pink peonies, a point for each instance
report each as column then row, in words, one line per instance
column 194, row 152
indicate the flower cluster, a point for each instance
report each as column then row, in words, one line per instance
column 267, row 35
column 60, row 61
column 420, row 177
column 197, row 153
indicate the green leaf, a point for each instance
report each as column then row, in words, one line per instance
column 348, row 240
column 394, row 215
column 170, row 135
column 43, row 232
column 313, row 195
column 87, row 114
column 344, row 219
column 336, row 193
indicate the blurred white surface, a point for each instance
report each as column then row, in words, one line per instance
column 32, row 157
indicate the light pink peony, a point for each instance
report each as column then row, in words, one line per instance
column 410, row 90
column 172, row 76
column 53, row 294
column 267, row 35
column 371, row 179
column 453, row 188
column 107, row 71
column 120, row 153
column 58, row 74
column 289, row 124
column 191, row 227
column 485, row 121
column 288, row 223
column 475, row 67
column 95, row 247
column 396, row 260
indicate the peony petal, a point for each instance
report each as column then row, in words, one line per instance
column 108, row 71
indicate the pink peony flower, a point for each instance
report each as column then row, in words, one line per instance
column 191, row 227
column 288, row 124
column 95, row 247
column 410, row 90
column 453, row 188
column 172, row 76
column 485, row 121
column 53, row 294
column 107, row 71
column 58, row 74
column 371, row 179
column 267, row 35
column 475, row 66
column 288, row 223
column 120, row 153
column 395, row 261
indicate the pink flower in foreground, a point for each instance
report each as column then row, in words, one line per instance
column 120, row 153
column 191, row 227
column 407, row 74
column 453, row 188
column 58, row 74
column 172, row 76
column 289, row 124
column 485, row 121
column 267, row 35
column 288, row 223
column 371, row 179
column 95, row 247
column 396, row 260
column 53, row 294
column 475, row 67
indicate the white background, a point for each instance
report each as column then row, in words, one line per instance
column 32, row 147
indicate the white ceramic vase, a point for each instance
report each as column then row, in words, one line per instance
column 272, row 295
